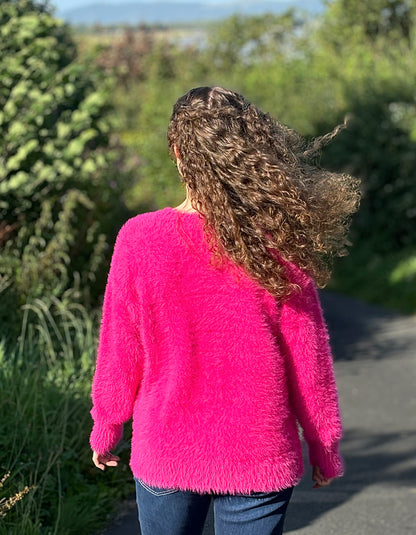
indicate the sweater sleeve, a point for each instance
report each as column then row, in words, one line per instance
column 313, row 390
column 118, row 368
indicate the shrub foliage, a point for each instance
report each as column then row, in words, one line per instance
column 61, row 176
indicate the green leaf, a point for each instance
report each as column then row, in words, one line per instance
column 14, row 183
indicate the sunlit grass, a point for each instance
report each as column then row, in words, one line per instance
column 388, row 280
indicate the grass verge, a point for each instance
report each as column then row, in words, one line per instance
column 388, row 280
column 48, row 484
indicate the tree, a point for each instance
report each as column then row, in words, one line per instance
column 375, row 68
column 61, row 173
column 240, row 40
column 388, row 18
column 125, row 58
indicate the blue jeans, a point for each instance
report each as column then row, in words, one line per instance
column 176, row 512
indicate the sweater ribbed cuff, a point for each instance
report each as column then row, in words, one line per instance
column 329, row 460
column 104, row 437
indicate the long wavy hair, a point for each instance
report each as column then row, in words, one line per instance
column 264, row 202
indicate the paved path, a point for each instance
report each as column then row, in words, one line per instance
column 375, row 352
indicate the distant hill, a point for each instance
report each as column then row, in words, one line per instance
column 176, row 12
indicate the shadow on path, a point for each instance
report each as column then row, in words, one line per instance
column 378, row 460
column 360, row 330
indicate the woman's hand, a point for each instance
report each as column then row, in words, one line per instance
column 321, row 481
column 101, row 460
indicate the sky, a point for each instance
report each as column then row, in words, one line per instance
column 67, row 4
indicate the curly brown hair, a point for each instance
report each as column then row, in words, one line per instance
column 253, row 180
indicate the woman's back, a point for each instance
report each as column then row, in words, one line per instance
column 209, row 353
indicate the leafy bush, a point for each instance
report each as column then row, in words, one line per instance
column 372, row 61
column 61, row 173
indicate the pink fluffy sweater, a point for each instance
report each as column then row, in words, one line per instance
column 214, row 371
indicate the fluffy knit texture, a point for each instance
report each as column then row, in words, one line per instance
column 214, row 371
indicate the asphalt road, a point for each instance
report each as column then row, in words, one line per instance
column 375, row 364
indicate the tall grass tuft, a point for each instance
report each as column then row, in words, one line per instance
column 48, row 483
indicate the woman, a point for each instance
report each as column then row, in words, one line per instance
column 212, row 335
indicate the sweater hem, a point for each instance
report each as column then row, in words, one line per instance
column 266, row 479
